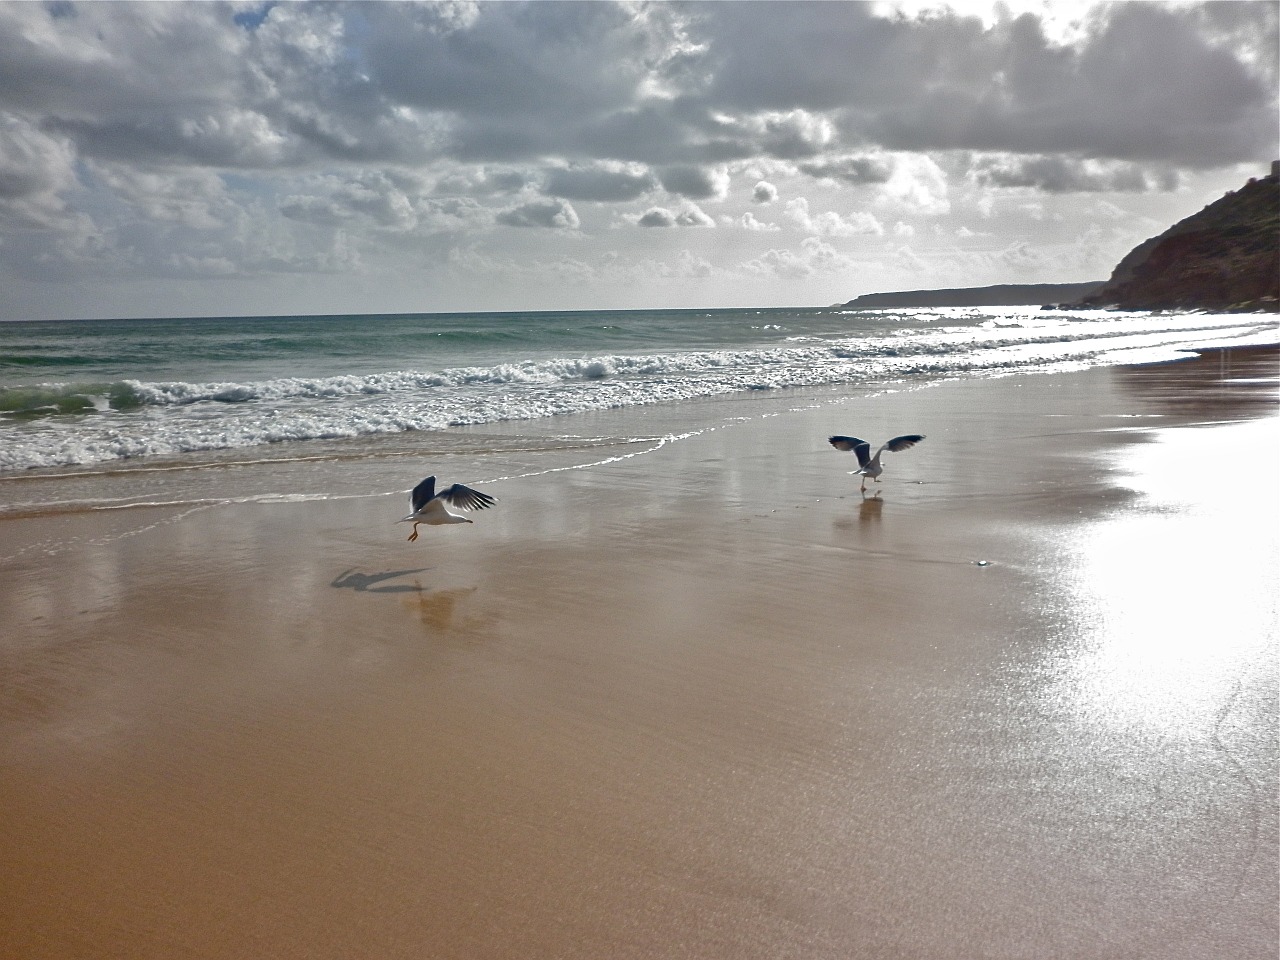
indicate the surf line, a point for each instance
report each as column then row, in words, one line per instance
column 661, row 442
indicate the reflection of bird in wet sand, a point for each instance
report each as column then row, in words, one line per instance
column 869, row 466
column 438, row 609
column 429, row 506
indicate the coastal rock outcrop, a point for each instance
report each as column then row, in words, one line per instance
column 1226, row 257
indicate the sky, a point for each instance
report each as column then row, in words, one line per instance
column 227, row 158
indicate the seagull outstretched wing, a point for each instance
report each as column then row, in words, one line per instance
column 860, row 447
column 904, row 442
column 422, row 494
column 459, row 495
column 465, row 498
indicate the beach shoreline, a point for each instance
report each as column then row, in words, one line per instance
column 690, row 697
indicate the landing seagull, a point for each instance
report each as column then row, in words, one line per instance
column 429, row 506
column 869, row 465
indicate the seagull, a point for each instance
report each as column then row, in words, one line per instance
column 869, row 466
column 429, row 506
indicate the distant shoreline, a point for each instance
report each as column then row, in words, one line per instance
column 998, row 295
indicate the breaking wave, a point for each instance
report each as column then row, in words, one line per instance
column 82, row 423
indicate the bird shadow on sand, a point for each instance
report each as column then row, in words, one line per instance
column 437, row 610
column 369, row 582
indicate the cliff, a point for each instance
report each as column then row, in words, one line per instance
column 1002, row 295
column 1226, row 257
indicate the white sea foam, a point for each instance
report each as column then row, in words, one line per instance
column 175, row 417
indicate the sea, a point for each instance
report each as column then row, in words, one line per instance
column 84, row 397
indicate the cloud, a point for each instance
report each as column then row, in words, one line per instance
column 696, row 183
column 783, row 264
column 686, row 266
column 36, row 171
column 1065, row 174
column 917, row 184
column 603, row 182
column 551, row 214
column 480, row 181
column 830, row 223
column 193, row 198
column 814, row 257
column 689, row 216
column 748, row 221
column 795, row 134
column 1143, row 81
column 372, row 198
column 452, row 215
column 852, row 169
column 668, row 85
column 1021, row 257
column 472, row 262
column 764, row 192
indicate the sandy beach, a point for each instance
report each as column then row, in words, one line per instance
column 698, row 698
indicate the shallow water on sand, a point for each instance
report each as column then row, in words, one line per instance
column 703, row 701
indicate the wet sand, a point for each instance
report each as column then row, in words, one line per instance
column 704, row 701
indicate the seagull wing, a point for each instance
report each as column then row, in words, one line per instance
column 859, row 447
column 466, row 498
column 422, row 493
column 905, row 442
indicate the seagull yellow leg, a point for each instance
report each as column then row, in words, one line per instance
column 414, row 535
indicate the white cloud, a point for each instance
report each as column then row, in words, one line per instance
column 814, row 257
column 688, row 216
column 830, row 223
column 748, row 221
column 783, row 264
column 917, row 184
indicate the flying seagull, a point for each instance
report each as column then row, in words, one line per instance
column 869, row 466
column 429, row 506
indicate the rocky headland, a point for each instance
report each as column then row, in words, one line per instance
column 1226, row 257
